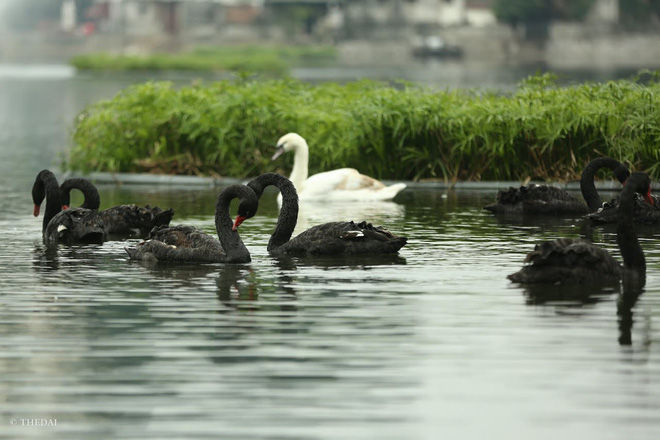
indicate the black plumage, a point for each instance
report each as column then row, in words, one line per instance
column 188, row 244
column 335, row 238
column 642, row 212
column 571, row 261
column 71, row 226
column 121, row 220
column 550, row 200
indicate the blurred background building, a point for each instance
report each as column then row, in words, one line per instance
column 565, row 33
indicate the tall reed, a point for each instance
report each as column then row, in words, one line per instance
column 540, row 131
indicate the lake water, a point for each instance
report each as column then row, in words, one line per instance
column 434, row 343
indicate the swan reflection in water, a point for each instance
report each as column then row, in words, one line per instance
column 633, row 287
column 240, row 286
column 49, row 258
column 237, row 278
column 576, row 296
column 45, row 259
column 568, row 296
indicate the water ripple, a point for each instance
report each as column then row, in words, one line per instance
column 434, row 341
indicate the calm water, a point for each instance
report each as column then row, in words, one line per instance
column 435, row 342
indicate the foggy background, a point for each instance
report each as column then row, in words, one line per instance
column 599, row 35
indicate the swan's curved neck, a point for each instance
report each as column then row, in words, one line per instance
column 91, row 194
column 626, row 237
column 587, row 186
column 46, row 185
column 232, row 244
column 300, row 170
column 286, row 221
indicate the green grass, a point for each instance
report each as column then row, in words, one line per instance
column 228, row 128
column 263, row 59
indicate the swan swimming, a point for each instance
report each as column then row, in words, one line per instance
column 343, row 238
column 344, row 184
column 578, row 261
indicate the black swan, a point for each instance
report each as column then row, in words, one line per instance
column 567, row 260
column 72, row 226
column 335, row 238
column 544, row 199
column 642, row 212
column 119, row 220
column 188, row 244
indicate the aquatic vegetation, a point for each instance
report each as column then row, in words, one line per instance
column 399, row 132
column 264, row 59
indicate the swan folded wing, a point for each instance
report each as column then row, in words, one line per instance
column 568, row 251
column 534, row 192
column 178, row 243
column 568, row 260
column 124, row 219
column 554, row 206
column 344, row 238
column 182, row 236
column 642, row 212
column 546, row 193
column 348, row 179
column 75, row 226
column 537, row 199
column 157, row 250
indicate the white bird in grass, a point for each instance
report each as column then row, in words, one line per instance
column 345, row 184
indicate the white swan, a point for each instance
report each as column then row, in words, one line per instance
column 341, row 184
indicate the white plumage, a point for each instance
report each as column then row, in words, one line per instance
column 341, row 184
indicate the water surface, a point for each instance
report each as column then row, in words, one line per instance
column 432, row 343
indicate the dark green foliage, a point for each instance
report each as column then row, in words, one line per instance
column 274, row 60
column 230, row 127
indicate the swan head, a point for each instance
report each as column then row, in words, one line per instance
column 38, row 193
column 288, row 142
column 246, row 209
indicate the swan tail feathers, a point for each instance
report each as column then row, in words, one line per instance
column 389, row 192
column 162, row 217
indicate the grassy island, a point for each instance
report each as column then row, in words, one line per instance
column 402, row 132
column 275, row 60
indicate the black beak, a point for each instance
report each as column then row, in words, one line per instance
column 278, row 153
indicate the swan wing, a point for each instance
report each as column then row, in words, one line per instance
column 178, row 244
column 568, row 260
column 537, row 199
column 344, row 238
column 124, row 219
column 347, row 184
column 642, row 212
column 75, row 226
column 340, row 179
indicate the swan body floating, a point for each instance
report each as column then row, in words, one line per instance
column 642, row 212
column 340, row 184
column 550, row 200
column 188, row 244
column 570, row 261
column 71, row 226
column 119, row 220
column 335, row 238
